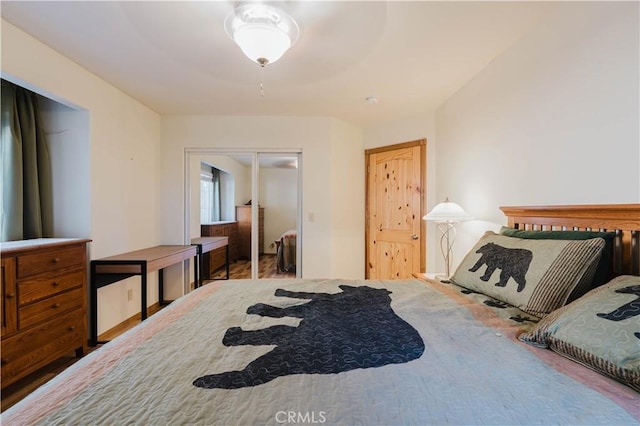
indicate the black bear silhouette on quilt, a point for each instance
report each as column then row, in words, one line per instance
column 627, row 310
column 356, row 328
column 513, row 263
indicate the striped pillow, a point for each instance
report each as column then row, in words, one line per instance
column 600, row 330
column 537, row 276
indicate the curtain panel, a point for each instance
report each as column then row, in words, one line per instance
column 216, row 206
column 27, row 202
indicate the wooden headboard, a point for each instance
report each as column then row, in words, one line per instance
column 623, row 219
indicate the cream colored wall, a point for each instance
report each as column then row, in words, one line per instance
column 124, row 157
column 347, row 180
column 319, row 139
column 554, row 120
column 67, row 132
column 279, row 197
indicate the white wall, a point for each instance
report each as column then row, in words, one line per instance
column 347, row 180
column 319, row 138
column 124, row 164
column 554, row 120
column 67, row 134
column 279, row 197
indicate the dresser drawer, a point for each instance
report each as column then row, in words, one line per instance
column 47, row 308
column 28, row 351
column 217, row 231
column 40, row 288
column 218, row 258
column 50, row 260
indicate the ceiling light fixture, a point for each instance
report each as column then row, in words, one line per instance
column 263, row 32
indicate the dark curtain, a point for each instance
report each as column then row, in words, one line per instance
column 27, row 206
column 216, row 205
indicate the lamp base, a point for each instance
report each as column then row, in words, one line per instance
column 438, row 277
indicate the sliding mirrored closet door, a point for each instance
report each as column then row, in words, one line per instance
column 278, row 215
column 254, row 199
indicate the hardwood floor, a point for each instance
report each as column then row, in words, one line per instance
column 17, row 391
column 266, row 269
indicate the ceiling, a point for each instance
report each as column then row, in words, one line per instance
column 175, row 57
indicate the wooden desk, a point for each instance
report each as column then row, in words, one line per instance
column 205, row 245
column 112, row 269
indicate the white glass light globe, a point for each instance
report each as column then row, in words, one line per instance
column 263, row 32
column 261, row 41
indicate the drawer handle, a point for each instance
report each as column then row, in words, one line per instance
column 56, row 305
column 55, row 260
column 55, row 283
column 11, row 295
column 4, row 360
column 72, row 327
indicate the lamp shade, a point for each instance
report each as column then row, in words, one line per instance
column 262, row 42
column 263, row 32
column 447, row 211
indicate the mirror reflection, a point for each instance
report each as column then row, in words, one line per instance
column 226, row 208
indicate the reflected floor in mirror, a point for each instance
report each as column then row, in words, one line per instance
column 242, row 269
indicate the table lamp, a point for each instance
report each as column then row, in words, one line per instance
column 446, row 215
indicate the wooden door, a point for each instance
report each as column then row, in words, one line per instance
column 395, row 233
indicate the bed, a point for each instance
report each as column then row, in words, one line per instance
column 286, row 251
column 416, row 351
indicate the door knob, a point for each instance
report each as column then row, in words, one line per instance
column 414, row 237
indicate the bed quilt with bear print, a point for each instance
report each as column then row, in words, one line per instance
column 338, row 352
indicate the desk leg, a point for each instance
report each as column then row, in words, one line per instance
column 196, row 275
column 226, row 250
column 196, row 283
column 161, row 287
column 93, row 307
column 143, row 290
column 198, row 269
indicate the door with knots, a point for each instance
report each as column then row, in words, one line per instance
column 395, row 231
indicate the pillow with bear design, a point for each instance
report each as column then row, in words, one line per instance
column 536, row 276
column 601, row 275
column 601, row 330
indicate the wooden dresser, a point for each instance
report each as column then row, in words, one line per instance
column 243, row 216
column 216, row 259
column 43, row 309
